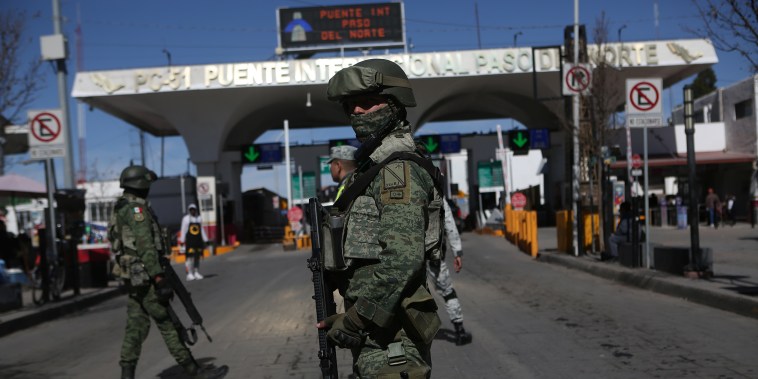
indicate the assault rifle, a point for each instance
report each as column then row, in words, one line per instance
column 323, row 294
column 188, row 335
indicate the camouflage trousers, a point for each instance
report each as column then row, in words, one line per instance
column 372, row 360
column 143, row 305
column 439, row 274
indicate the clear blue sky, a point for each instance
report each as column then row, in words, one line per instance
column 133, row 34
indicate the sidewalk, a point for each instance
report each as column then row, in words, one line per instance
column 30, row 314
column 733, row 287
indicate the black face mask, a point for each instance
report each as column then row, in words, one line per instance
column 141, row 193
column 364, row 125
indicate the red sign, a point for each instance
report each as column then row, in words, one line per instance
column 295, row 214
column 644, row 96
column 518, row 200
column 45, row 127
column 578, row 79
column 636, row 161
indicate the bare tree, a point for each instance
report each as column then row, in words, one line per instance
column 19, row 82
column 732, row 26
column 599, row 109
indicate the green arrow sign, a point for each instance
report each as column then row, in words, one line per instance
column 431, row 145
column 251, row 154
column 518, row 141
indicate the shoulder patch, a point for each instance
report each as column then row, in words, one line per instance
column 138, row 214
column 396, row 184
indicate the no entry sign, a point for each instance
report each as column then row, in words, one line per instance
column 46, row 137
column 643, row 102
column 576, row 78
column 518, row 200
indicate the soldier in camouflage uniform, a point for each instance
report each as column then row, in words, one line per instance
column 391, row 228
column 136, row 240
column 341, row 165
column 439, row 274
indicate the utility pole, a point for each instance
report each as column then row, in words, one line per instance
column 68, row 160
column 575, row 131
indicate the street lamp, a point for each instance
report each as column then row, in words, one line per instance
column 515, row 38
column 689, row 130
column 619, row 32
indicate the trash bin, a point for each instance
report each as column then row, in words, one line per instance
column 681, row 217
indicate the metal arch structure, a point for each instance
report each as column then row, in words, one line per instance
column 218, row 108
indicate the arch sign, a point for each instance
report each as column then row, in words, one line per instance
column 577, row 79
column 46, row 134
column 643, row 102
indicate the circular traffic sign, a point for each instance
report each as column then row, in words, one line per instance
column 45, row 127
column 578, row 79
column 636, row 161
column 518, row 200
column 295, row 214
column 644, row 96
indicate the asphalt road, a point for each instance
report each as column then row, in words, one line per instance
column 529, row 320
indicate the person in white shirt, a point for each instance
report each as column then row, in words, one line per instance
column 194, row 239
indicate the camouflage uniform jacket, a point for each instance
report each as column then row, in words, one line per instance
column 139, row 232
column 387, row 231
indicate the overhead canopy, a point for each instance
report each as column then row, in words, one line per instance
column 221, row 107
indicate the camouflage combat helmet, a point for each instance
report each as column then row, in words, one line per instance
column 137, row 177
column 376, row 76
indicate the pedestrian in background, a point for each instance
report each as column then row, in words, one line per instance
column 193, row 237
column 439, row 274
column 713, row 205
column 729, row 210
column 341, row 165
column 134, row 234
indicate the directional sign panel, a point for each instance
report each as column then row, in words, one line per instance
column 518, row 141
column 539, row 138
column 262, row 153
column 430, row 142
column 450, row 143
column 344, row 141
column 577, row 79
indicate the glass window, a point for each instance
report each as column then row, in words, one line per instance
column 743, row 109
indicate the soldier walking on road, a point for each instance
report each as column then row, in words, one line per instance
column 136, row 239
column 438, row 273
column 393, row 225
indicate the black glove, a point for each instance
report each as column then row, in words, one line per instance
column 163, row 291
column 345, row 329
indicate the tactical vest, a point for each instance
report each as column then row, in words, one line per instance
column 359, row 213
column 127, row 264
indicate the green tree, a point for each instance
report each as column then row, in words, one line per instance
column 704, row 83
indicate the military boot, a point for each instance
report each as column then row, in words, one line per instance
column 127, row 371
column 462, row 337
column 206, row 372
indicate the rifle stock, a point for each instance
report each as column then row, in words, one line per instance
column 189, row 335
column 323, row 295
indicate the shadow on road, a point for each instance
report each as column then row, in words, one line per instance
column 177, row 372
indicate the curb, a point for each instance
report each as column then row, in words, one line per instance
column 662, row 283
column 55, row 310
